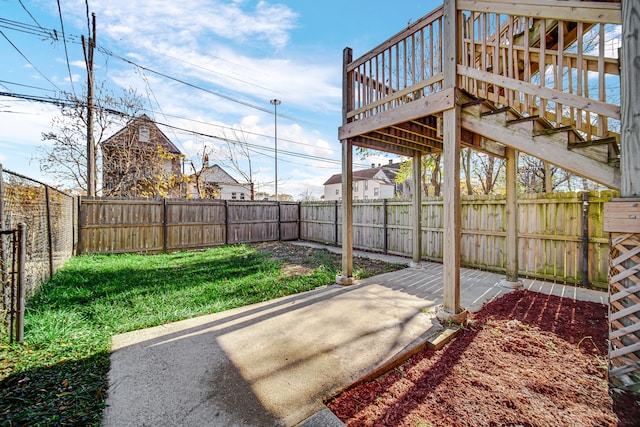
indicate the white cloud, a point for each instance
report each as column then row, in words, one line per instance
column 186, row 21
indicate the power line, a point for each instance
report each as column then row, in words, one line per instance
column 149, row 90
column 194, row 86
column 66, row 52
column 217, row 72
column 74, row 39
column 61, row 102
column 29, row 13
column 29, row 86
column 27, row 28
column 47, row 100
column 244, row 131
column 27, row 59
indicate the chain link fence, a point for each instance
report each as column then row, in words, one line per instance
column 50, row 218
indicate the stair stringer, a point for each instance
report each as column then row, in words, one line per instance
column 549, row 148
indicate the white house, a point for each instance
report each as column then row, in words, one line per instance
column 216, row 183
column 378, row 182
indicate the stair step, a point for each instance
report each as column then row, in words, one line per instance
column 507, row 110
column 595, row 142
column 522, row 120
column 476, row 101
column 495, row 111
column 552, row 131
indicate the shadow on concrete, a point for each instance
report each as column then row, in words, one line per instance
column 271, row 363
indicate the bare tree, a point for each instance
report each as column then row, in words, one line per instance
column 488, row 171
column 204, row 190
column 465, row 162
column 65, row 157
column 236, row 154
column 306, row 196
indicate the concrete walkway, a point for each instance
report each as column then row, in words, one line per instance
column 274, row 363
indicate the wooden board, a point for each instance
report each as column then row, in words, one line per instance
column 622, row 215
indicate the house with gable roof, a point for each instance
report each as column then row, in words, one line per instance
column 377, row 182
column 216, row 183
column 140, row 161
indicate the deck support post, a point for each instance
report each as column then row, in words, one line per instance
column 346, row 277
column 451, row 184
column 417, row 211
column 452, row 210
column 511, row 280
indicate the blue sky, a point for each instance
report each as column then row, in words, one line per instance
column 247, row 51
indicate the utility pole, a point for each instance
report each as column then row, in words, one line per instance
column 275, row 103
column 88, row 48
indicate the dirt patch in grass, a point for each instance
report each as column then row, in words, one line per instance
column 300, row 260
column 527, row 360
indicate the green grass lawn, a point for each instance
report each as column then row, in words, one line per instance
column 58, row 376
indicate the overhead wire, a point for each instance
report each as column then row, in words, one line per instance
column 63, row 102
column 150, row 91
column 245, row 131
column 75, row 39
column 24, row 85
column 27, row 28
column 29, row 13
column 27, row 59
column 194, row 86
column 66, row 52
column 42, row 32
column 217, row 72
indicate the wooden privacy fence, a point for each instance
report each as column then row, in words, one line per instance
column 560, row 235
column 132, row 225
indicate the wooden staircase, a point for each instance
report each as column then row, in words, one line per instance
column 564, row 146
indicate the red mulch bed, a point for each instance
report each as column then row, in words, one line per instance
column 526, row 359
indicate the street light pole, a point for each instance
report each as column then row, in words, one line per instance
column 275, row 103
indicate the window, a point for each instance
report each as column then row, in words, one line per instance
column 234, row 196
column 366, row 185
column 355, row 186
column 337, row 192
column 167, row 166
column 143, row 134
column 241, row 196
column 376, row 192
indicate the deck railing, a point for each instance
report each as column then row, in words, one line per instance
column 569, row 77
column 404, row 68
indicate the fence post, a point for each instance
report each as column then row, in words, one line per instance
column 3, row 267
column 335, row 216
column 75, row 204
column 385, row 242
column 278, row 231
column 226, row 222
column 21, row 291
column 49, row 231
column 299, row 219
column 585, row 238
column 79, row 250
column 164, row 225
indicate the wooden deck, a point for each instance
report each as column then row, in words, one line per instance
column 555, row 97
column 477, row 287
